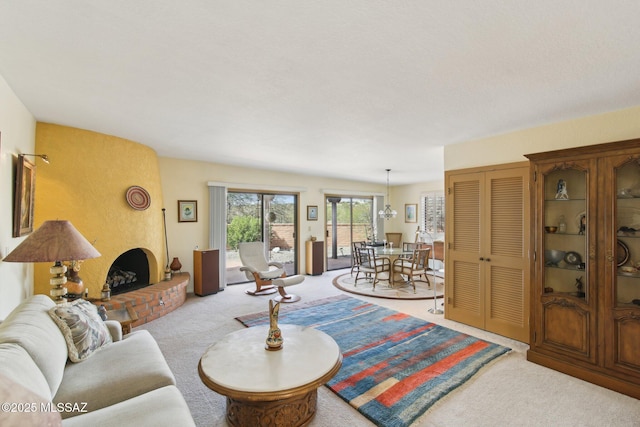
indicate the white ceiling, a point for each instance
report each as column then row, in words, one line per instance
column 337, row 88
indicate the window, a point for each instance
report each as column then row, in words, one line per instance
column 261, row 217
column 432, row 214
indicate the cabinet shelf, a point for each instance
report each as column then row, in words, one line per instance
column 567, row 267
column 630, row 236
column 626, row 306
column 629, row 276
column 579, row 295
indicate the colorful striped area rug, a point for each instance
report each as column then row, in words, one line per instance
column 395, row 366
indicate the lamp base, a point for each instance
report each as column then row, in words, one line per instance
column 58, row 299
column 58, row 291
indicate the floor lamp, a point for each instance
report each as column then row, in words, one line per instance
column 435, row 309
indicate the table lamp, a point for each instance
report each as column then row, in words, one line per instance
column 55, row 241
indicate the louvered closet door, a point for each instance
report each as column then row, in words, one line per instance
column 463, row 269
column 487, row 280
column 505, row 254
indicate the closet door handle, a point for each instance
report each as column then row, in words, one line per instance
column 481, row 259
column 488, row 259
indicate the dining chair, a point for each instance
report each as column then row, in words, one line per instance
column 369, row 264
column 416, row 266
column 408, row 248
column 354, row 258
column 437, row 252
column 395, row 238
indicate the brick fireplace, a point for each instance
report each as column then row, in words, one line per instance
column 130, row 271
column 152, row 301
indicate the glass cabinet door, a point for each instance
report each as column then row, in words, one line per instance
column 627, row 230
column 565, row 233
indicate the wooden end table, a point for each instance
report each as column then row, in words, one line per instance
column 126, row 316
column 262, row 385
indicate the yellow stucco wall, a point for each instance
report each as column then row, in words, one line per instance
column 85, row 183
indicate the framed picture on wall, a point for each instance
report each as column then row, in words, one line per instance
column 312, row 213
column 411, row 212
column 187, row 211
column 23, row 202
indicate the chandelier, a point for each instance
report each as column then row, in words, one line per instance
column 387, row 213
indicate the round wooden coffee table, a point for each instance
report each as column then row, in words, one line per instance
column 269, row 388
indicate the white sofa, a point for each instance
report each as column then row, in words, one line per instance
column 126, row 382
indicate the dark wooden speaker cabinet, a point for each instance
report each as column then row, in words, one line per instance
column 315, row 257
column 206, row 277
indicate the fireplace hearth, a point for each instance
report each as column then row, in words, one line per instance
column 130, row 271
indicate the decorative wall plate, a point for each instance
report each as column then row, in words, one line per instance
column 623, row 253
column 572, row 258
column 138, row 198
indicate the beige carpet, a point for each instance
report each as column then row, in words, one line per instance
column 509, row 392
column 347, row 283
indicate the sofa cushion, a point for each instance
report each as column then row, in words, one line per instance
column 159, row 408
column 19, row 367
column 119, row 371
column 30, row 326
column 82, row 327
column 25, row 408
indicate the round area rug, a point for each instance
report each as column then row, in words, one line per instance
column 346, row 282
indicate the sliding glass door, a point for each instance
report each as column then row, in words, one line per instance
column 349, row 219
column 261, row 217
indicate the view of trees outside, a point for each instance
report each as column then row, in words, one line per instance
column 244, row 216
column 252, row 215
column 354, row 223
column 255, row 217
column 243, row 229
column 243, row 219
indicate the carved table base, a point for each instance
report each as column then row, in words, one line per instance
column 270, row 388
column 292, row 412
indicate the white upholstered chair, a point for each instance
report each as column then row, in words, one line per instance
column 268, row 276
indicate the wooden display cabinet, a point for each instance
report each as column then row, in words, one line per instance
column 585, row 302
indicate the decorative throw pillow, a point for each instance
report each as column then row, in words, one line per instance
column 83, row 329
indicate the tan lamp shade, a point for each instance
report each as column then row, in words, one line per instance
column 54, row 241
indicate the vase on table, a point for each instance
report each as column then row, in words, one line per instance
column 175, row 266
column 74, row 285
column 274, row 338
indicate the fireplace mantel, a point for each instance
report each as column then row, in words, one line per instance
column 153, row 301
